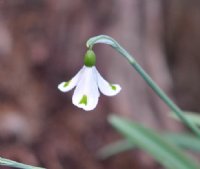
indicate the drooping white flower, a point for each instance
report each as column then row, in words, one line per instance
column 88, row 82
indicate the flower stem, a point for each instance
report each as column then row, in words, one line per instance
column 108, row 40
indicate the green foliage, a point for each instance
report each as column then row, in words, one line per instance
column 183, row 140
column 14, row 164
column 115, row 148
column 163, row 150
column 191, row 116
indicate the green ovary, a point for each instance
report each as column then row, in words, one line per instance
column 90, row 58
column 83, row 100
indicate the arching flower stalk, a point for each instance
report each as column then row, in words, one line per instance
column 104, row 39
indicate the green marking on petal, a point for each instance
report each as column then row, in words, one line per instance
column 67, row 83
column 83, row 100
column 113, row 87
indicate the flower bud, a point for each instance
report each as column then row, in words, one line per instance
column 90, row 58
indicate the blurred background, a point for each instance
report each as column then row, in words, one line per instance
column 42, row 42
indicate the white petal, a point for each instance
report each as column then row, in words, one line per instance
column 67, row 86
column 107, row 88
column 86, row 94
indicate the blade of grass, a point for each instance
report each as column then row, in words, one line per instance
column 11, row 163
column 193, row 117
column 161, row 149
column 184, row 140
column 115, row 148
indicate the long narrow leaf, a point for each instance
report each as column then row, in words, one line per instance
column 162, row 150
column 186, row 141
column 115, row 148
column 11, row 163
column 192, row 116
column 183, row 140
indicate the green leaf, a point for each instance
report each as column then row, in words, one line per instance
column 10, row 163
column 161, row 149
column 193, row 117
column 184, row 140
column 115, row 148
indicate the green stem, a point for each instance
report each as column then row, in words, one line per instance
column 108, row 40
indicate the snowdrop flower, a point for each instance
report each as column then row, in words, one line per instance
column 88, row 82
